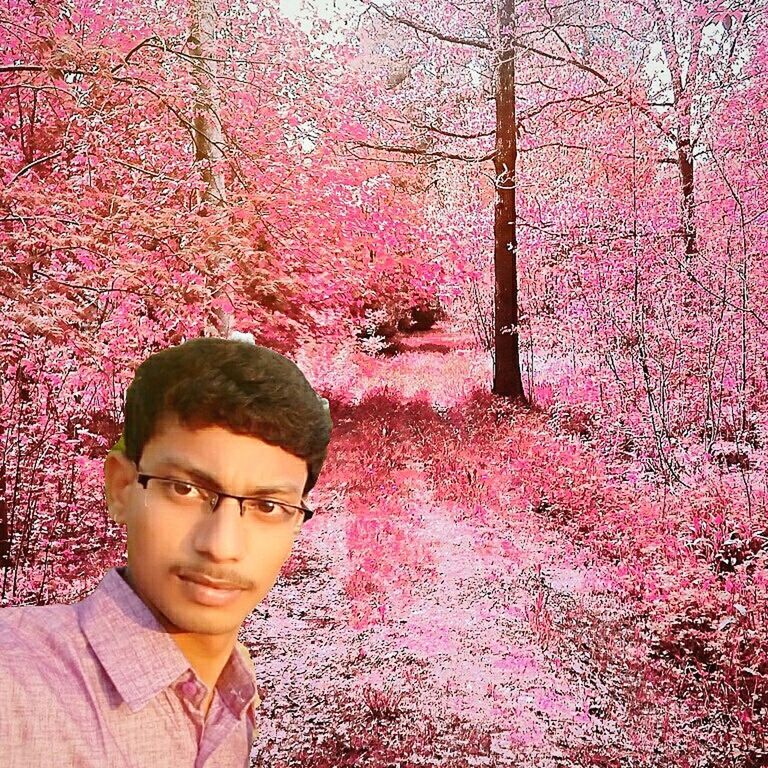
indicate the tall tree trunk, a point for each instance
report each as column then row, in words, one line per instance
column 208, row 135
column 683, row 81
column 507, row 379
column 5, row 531
column 686, row 167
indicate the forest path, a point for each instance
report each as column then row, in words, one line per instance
column 487, row 643
column 441, row 338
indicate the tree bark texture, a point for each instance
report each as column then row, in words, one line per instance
column 208, row 134
column 5, row 530
column 684, row 83
column 507, row 379
column 686, row 167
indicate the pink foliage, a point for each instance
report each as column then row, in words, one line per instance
column 110, row 250
column 643, row 295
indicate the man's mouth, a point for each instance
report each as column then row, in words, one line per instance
column 207, row 591
column 207, row 581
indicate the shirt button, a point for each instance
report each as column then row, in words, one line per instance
column 189, row 688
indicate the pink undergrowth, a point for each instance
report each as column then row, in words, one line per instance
column 691, row 561
column 434, row 478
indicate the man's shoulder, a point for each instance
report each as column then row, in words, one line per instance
column 40, row 650
column 38, row 620
column 32, row 635
column 36, row 655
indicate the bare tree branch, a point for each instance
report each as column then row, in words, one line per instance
column 21, row 68
column 429, row 31
column 454, row 135
column 31, row 165
column 422, row 152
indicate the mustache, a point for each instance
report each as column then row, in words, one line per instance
column 216, row 574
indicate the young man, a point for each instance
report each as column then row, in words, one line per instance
column 222, row 441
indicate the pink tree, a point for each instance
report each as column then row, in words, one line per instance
column 150, row 196
column 611, row 107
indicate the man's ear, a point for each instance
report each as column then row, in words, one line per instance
column 299, row 522
column 119, row 475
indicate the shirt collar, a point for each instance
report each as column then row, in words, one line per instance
column 141, row 658
column 237, row 682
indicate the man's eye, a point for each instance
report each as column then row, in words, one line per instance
column 183, row 489
column 265, row 507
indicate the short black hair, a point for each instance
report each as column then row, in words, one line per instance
column 243, row 387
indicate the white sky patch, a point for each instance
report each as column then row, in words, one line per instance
column 303, row 10
column 292, row 8
column 656, row 69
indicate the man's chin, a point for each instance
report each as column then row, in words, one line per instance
column 201, row 622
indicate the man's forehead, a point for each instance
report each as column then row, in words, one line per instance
column 213, row 467
column 169, row 422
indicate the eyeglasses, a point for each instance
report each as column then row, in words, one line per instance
column 190, row 497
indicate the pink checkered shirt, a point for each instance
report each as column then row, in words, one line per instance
column 100, row 684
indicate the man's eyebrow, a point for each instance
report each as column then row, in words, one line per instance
column 197, row 475
column 202, row 477
column 279, row 490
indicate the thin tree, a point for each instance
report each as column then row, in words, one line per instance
column 507, row 379
column 208, row 135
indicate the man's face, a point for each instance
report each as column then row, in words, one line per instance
column 165, row 549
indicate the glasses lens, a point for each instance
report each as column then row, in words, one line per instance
column 180, row 494
column 268, row 511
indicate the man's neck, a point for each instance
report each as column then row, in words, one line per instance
column 206, row 654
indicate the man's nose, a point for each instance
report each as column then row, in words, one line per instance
column 221, row 535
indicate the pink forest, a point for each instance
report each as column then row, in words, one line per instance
column 521, row 247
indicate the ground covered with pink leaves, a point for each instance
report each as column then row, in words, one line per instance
column 480, row 590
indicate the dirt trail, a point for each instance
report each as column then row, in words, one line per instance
column 484, row 658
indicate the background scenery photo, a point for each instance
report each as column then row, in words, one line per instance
column 521, row 248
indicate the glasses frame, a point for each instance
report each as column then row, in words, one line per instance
column 143, row 478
